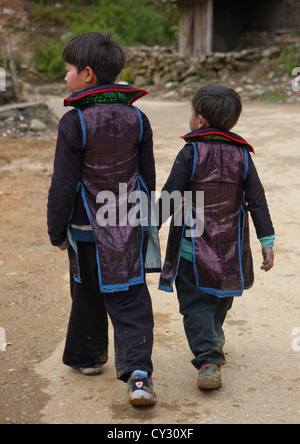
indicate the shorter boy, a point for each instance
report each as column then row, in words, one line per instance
column 213, row 265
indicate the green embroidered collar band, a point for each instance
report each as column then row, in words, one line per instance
column 105, row 94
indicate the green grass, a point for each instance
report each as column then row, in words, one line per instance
column 130, row 22
column 290, row 59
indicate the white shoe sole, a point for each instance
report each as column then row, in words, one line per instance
column 140, row 397
column 90, row 371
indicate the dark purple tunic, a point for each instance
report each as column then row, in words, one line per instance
column 221, row 253
column 101, row 144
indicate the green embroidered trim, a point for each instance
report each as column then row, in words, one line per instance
column 218, row 138
column 215, row 137
column 105, row 97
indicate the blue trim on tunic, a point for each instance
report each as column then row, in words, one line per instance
column 83, row 129
column 141, row 123
column 246, row 164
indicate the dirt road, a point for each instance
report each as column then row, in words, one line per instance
column 261, row 378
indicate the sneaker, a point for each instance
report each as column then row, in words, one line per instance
column 90, row 371
column 209, row 377
column 140, row 390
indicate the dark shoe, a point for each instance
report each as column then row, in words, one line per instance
column 209, row 377
column 140, row 391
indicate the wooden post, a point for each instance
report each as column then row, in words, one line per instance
column 210, row 26
column 203, row 27
column 12, row 66
column 199, row 28
column 186, row 27
column 196, row 27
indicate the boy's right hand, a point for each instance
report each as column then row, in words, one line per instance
column 64, row 246
column 268, row 262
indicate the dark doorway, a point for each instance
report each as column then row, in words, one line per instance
column 237, row 22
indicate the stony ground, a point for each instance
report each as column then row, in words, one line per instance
column 261, row 377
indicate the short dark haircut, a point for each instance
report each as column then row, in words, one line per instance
column 219, row 105
column 98, row 51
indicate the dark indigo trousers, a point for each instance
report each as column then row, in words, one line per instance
column 131, row 315
column 203, row 317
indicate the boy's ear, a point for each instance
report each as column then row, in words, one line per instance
column 203, row 123
column 90, row 76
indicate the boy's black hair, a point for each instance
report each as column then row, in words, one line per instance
column 219, row 105
column 98, row 51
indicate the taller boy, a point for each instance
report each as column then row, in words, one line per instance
column 102, row 143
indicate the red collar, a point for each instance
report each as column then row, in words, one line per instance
column 215, row 134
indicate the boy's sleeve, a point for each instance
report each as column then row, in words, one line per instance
column 66, row 176
column 257, row 203
column 181, row 172
column 179, row 179
column 146, row 155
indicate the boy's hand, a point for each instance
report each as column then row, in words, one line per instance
column 268, row 262
column 64, row 246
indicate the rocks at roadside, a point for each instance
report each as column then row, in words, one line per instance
column 161, row 65
column 173, row 75
column 27, row 120
column 37, row 125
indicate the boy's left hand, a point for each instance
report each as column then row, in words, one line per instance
column 268, row 262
